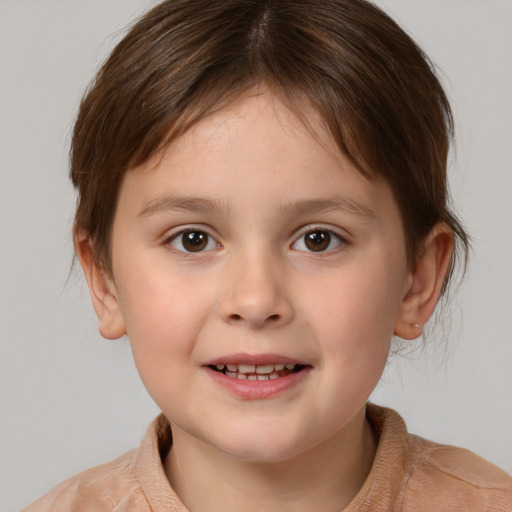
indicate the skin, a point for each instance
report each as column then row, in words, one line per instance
column 255, row 181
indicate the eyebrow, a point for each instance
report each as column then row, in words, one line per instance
column 303, row 207
column 189, row 203
column 340, row 204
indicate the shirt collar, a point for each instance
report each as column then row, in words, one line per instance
column 381, row 490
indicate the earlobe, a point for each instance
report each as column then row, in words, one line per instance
column 102, row 290
column 426, row 283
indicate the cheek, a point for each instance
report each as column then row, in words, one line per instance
column 354, row 313
column 163, row 318
column 163, row 312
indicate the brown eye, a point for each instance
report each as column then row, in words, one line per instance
column 193, row 241
column 318, row 240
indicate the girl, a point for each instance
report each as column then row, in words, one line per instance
column 262, row 205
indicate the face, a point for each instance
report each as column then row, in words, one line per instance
column 258, row 276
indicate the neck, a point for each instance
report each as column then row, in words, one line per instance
column 330, row 474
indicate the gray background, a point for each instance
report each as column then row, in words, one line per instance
column 70, row 400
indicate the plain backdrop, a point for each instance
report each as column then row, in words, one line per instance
column 70, row 400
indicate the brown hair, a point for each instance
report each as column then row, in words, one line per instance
column 376, row 91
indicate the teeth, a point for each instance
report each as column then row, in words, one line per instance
column 246, row 368
column 264, row 369
column 253, row 371
column 261, row 369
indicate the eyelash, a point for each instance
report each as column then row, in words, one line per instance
column 204, row 242
column 327, row 238
column 179, row 239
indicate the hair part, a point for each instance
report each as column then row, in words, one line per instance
column 372, row 86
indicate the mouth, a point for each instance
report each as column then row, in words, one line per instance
column 259, row 372
column 258, row 377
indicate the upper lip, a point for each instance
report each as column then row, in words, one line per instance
column 255, row 359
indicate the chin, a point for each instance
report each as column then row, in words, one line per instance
column 262, row 455
column 264, row 447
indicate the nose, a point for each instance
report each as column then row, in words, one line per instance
column 255, row 294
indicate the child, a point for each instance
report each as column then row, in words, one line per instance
column 262, row 206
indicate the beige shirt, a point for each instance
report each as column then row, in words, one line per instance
column 408, row 474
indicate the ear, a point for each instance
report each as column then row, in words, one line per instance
column 426, row 283
column 102, row 290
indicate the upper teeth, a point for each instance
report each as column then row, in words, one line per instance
column 261, row 369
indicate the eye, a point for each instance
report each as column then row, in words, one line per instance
column 318, row 240
column 193, row 240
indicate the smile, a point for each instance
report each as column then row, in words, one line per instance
column 257, row 377
column 256, row 371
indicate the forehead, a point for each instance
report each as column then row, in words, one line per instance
column 259, row 145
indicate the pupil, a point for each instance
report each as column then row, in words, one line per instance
column 194, row 241
column 318, row 240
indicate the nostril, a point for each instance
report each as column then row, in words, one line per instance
column 235, row 317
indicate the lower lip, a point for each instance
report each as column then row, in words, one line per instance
column 258, row 389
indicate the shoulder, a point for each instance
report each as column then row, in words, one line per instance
column 447, row 478
column 100, row 489
column 411, row 474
